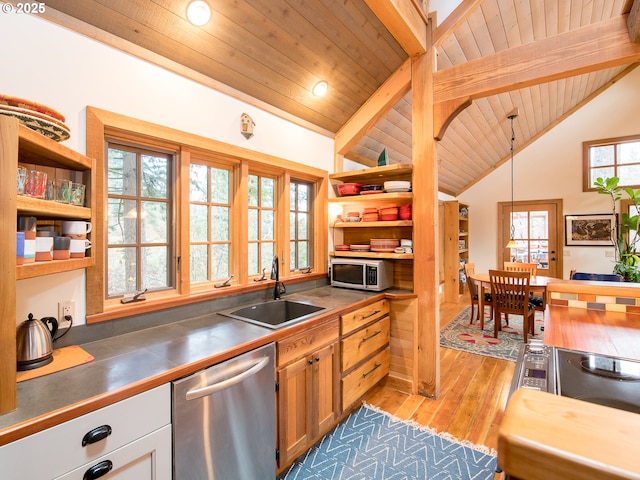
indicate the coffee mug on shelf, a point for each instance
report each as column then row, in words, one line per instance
column 44, row 249
column 19, row 248
column 28, row 226
column 76, row 229
column 61, row 247
column 77, row 248
column 29, row 249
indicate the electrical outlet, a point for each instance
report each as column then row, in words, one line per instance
column 67, row 308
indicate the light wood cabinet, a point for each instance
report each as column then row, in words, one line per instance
column 364, row 350
column 308, row 389
column 359, row 233
column 21, row 145
column 456, row 248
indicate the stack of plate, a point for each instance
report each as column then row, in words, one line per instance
column 342, row 248
column 360, row 248
column 35, row 116
column 369, row 189
column 384, row 244
column 397, row 186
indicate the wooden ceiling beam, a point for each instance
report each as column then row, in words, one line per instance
column 633, row 22
column 405, row 22
column 595, row 47
column 455, row 19
column 389, row 93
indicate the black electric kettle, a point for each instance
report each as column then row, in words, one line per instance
column 34, row 342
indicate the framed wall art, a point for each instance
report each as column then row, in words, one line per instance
column 594, row 230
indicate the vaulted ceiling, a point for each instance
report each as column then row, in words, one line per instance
column 272, row 52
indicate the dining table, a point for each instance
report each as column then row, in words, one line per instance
column 537, row 283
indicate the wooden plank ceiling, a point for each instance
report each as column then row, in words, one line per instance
column 275, row 51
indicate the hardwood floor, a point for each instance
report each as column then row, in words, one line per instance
column 473, row 394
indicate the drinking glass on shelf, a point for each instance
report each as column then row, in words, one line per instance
column 36, row 184
column 22, row 180
column 48, row 190
column 63, row 190
column 77, row 194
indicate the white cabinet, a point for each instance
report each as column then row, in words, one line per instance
column 134, row 435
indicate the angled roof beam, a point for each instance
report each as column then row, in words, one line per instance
column 406, row 22
column 457, row 17
column 595, row 47
column 633, row 22
column 378, row 104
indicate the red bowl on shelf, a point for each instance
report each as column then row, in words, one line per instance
column 346, row 189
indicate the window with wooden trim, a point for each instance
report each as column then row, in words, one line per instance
column 613, row 157
column 210, row 223
column 226, row 213
column 301, row 225
column 140, row 235
column 261, row 220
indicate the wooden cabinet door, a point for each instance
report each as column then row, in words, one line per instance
column 294, row 408
column 325, row 398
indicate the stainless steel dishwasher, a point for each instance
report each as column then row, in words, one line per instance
column 224, row 420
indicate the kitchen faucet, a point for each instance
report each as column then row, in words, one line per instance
column 278, row 288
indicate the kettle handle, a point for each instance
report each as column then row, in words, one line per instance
column 52, row 324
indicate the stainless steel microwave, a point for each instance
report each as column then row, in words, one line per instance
column 361, row 274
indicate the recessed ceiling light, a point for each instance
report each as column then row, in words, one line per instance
column 198, row 12
column 320, row 89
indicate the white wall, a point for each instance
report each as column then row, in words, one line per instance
column 48, row 64
column 551, row 167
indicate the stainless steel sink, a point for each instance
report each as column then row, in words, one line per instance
column 275, row 314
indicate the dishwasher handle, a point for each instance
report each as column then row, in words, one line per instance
column 230, row 382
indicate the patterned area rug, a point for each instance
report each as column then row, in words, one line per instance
column 373, row 445
column 459, row 335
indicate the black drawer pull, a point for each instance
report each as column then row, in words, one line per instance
column 96, row 434
column 98, row 470
column 375, row 312
column 366, row 339
column 365, row 375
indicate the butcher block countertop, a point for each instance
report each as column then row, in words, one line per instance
column 548, row 437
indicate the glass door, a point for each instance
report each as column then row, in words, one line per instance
column 536, row 232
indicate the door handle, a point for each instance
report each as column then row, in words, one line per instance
column 230, row 382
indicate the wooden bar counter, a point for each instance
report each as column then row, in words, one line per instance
column 550, row 437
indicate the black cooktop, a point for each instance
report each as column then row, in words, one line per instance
column 609, row 381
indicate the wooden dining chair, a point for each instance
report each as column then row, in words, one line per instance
column 469, row 270
column 510, row 293
column 538, row 300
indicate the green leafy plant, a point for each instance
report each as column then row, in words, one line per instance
column 625, row 236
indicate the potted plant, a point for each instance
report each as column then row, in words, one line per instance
column 626, row 235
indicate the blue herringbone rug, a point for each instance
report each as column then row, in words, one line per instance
column 372, row 445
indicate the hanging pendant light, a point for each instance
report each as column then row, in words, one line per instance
column 511, row 116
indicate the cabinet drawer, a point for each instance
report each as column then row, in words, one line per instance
column 146, row 458
column 364, row 342
column 356, row 319
column 358, row 382
column 305, row 342
column 60, row 447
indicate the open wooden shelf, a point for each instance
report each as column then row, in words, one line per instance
column 398, row 171
column 48, row 208
column 389, row 255
column 399, row 197
column 37, row 269
column 397, row 223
